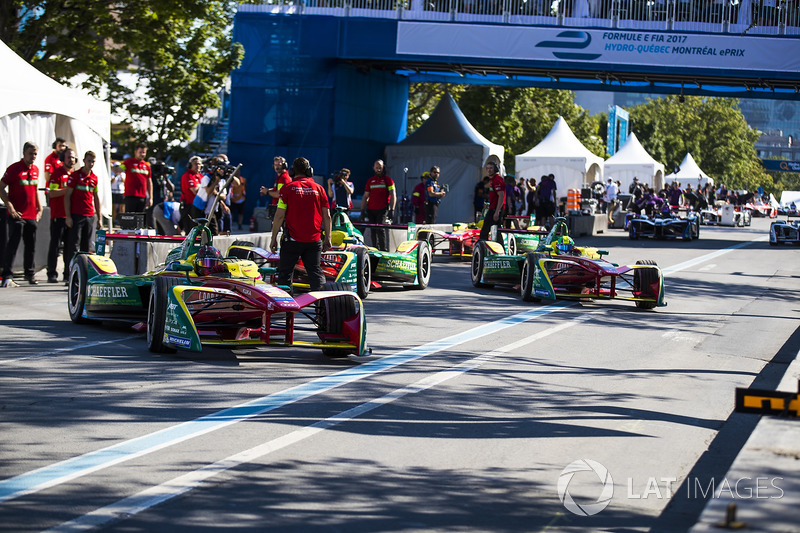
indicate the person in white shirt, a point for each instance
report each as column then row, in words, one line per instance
column 611, row 194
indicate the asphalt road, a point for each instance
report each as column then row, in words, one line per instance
column 466, row 418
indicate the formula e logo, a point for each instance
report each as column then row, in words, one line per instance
column 570, row 40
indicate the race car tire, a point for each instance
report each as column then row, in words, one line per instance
column 364, row 273
column 76, row 292
column 427, row 236
column 242, row 243
column 643, row 278
column 689, row 233
column 424, row 260
column 478, row 258
column 529, row 268
column 239, row 254
column 331, row 314
column 632, row 235
column 511, row 244
column 157, row 313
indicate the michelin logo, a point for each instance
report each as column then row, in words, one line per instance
column 179, row 341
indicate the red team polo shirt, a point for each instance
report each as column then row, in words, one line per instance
column 188, row 180
column 58, row 180
column 303, row 200
column 52, row 162
column 83, row 194
column 496, row 186
column 136, row 175
column 280, row 181
column 379, row 191
column 22, row 183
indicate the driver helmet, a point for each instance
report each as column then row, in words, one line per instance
column 565, row 244
column 207, row 261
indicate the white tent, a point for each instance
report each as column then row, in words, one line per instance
column 561, row 153
column 689, row 174
column 632, row 160
column 787, row 197
column 449, row 141
column 35, row 108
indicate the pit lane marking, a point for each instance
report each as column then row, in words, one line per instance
column 177, row 486
column 75, row 467
column 62, row 350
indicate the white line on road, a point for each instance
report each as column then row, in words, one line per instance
column 62, row 350
column 158, row 494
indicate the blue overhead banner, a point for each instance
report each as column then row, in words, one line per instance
column 727, row 52
column 776, row 165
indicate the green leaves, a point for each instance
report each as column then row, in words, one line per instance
column 179, row 52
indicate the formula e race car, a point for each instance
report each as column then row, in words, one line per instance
column 198, row 298
column 782, row 231
column 726, row 215
column 663, row 226
column 351, row 268
column 461, row 241
column 409, row 265
column 559, row 269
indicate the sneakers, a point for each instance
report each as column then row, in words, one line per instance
column 33, row 281
column 52, row 279
column 7, row 283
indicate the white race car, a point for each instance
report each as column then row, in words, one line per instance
column 782, row 231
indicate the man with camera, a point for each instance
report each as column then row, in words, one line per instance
column 303, row 205
column 433, row 195
column 340, row 190
column 212, row 187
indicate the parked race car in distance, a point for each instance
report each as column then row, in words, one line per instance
column 461, row 241
column 198, row 298
column 726, row 215
column 784, row 231
column 663, row 226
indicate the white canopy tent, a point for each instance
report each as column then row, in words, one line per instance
column 449, row 141
column 35, row 108
column 631, row 161
column 561, row 153
column 689, row 174
column 787, row 197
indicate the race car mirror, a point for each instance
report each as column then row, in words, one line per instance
column 182, row 267
column 602, row 252
column 267, row 271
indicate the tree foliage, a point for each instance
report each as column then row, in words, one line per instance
column 713, row 130
column 179, row 52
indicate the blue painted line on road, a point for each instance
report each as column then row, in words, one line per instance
column 75, row 467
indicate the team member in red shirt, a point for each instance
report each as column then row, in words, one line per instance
column 59, row 232
column 138, row 182
column 24, row 211
column 281, row 178
column 81, row 202
column 379, row 200
column 497, row 201
column 190, row 184
column 303, row 204
column 418, row 199
column 53, row 159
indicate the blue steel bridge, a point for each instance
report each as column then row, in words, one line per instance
column 328, row 79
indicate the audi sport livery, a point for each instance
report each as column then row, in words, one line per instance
column 782, row 231
column 558, row 269
column 197, row 298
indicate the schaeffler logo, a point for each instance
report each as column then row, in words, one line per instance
column 604, row 477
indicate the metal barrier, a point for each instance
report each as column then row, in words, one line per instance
column 763, row 17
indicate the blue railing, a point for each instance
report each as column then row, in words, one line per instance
column 751, row 17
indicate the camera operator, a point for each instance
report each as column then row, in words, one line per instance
column 212, row 187
column 157, row 214
column 340, row 190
